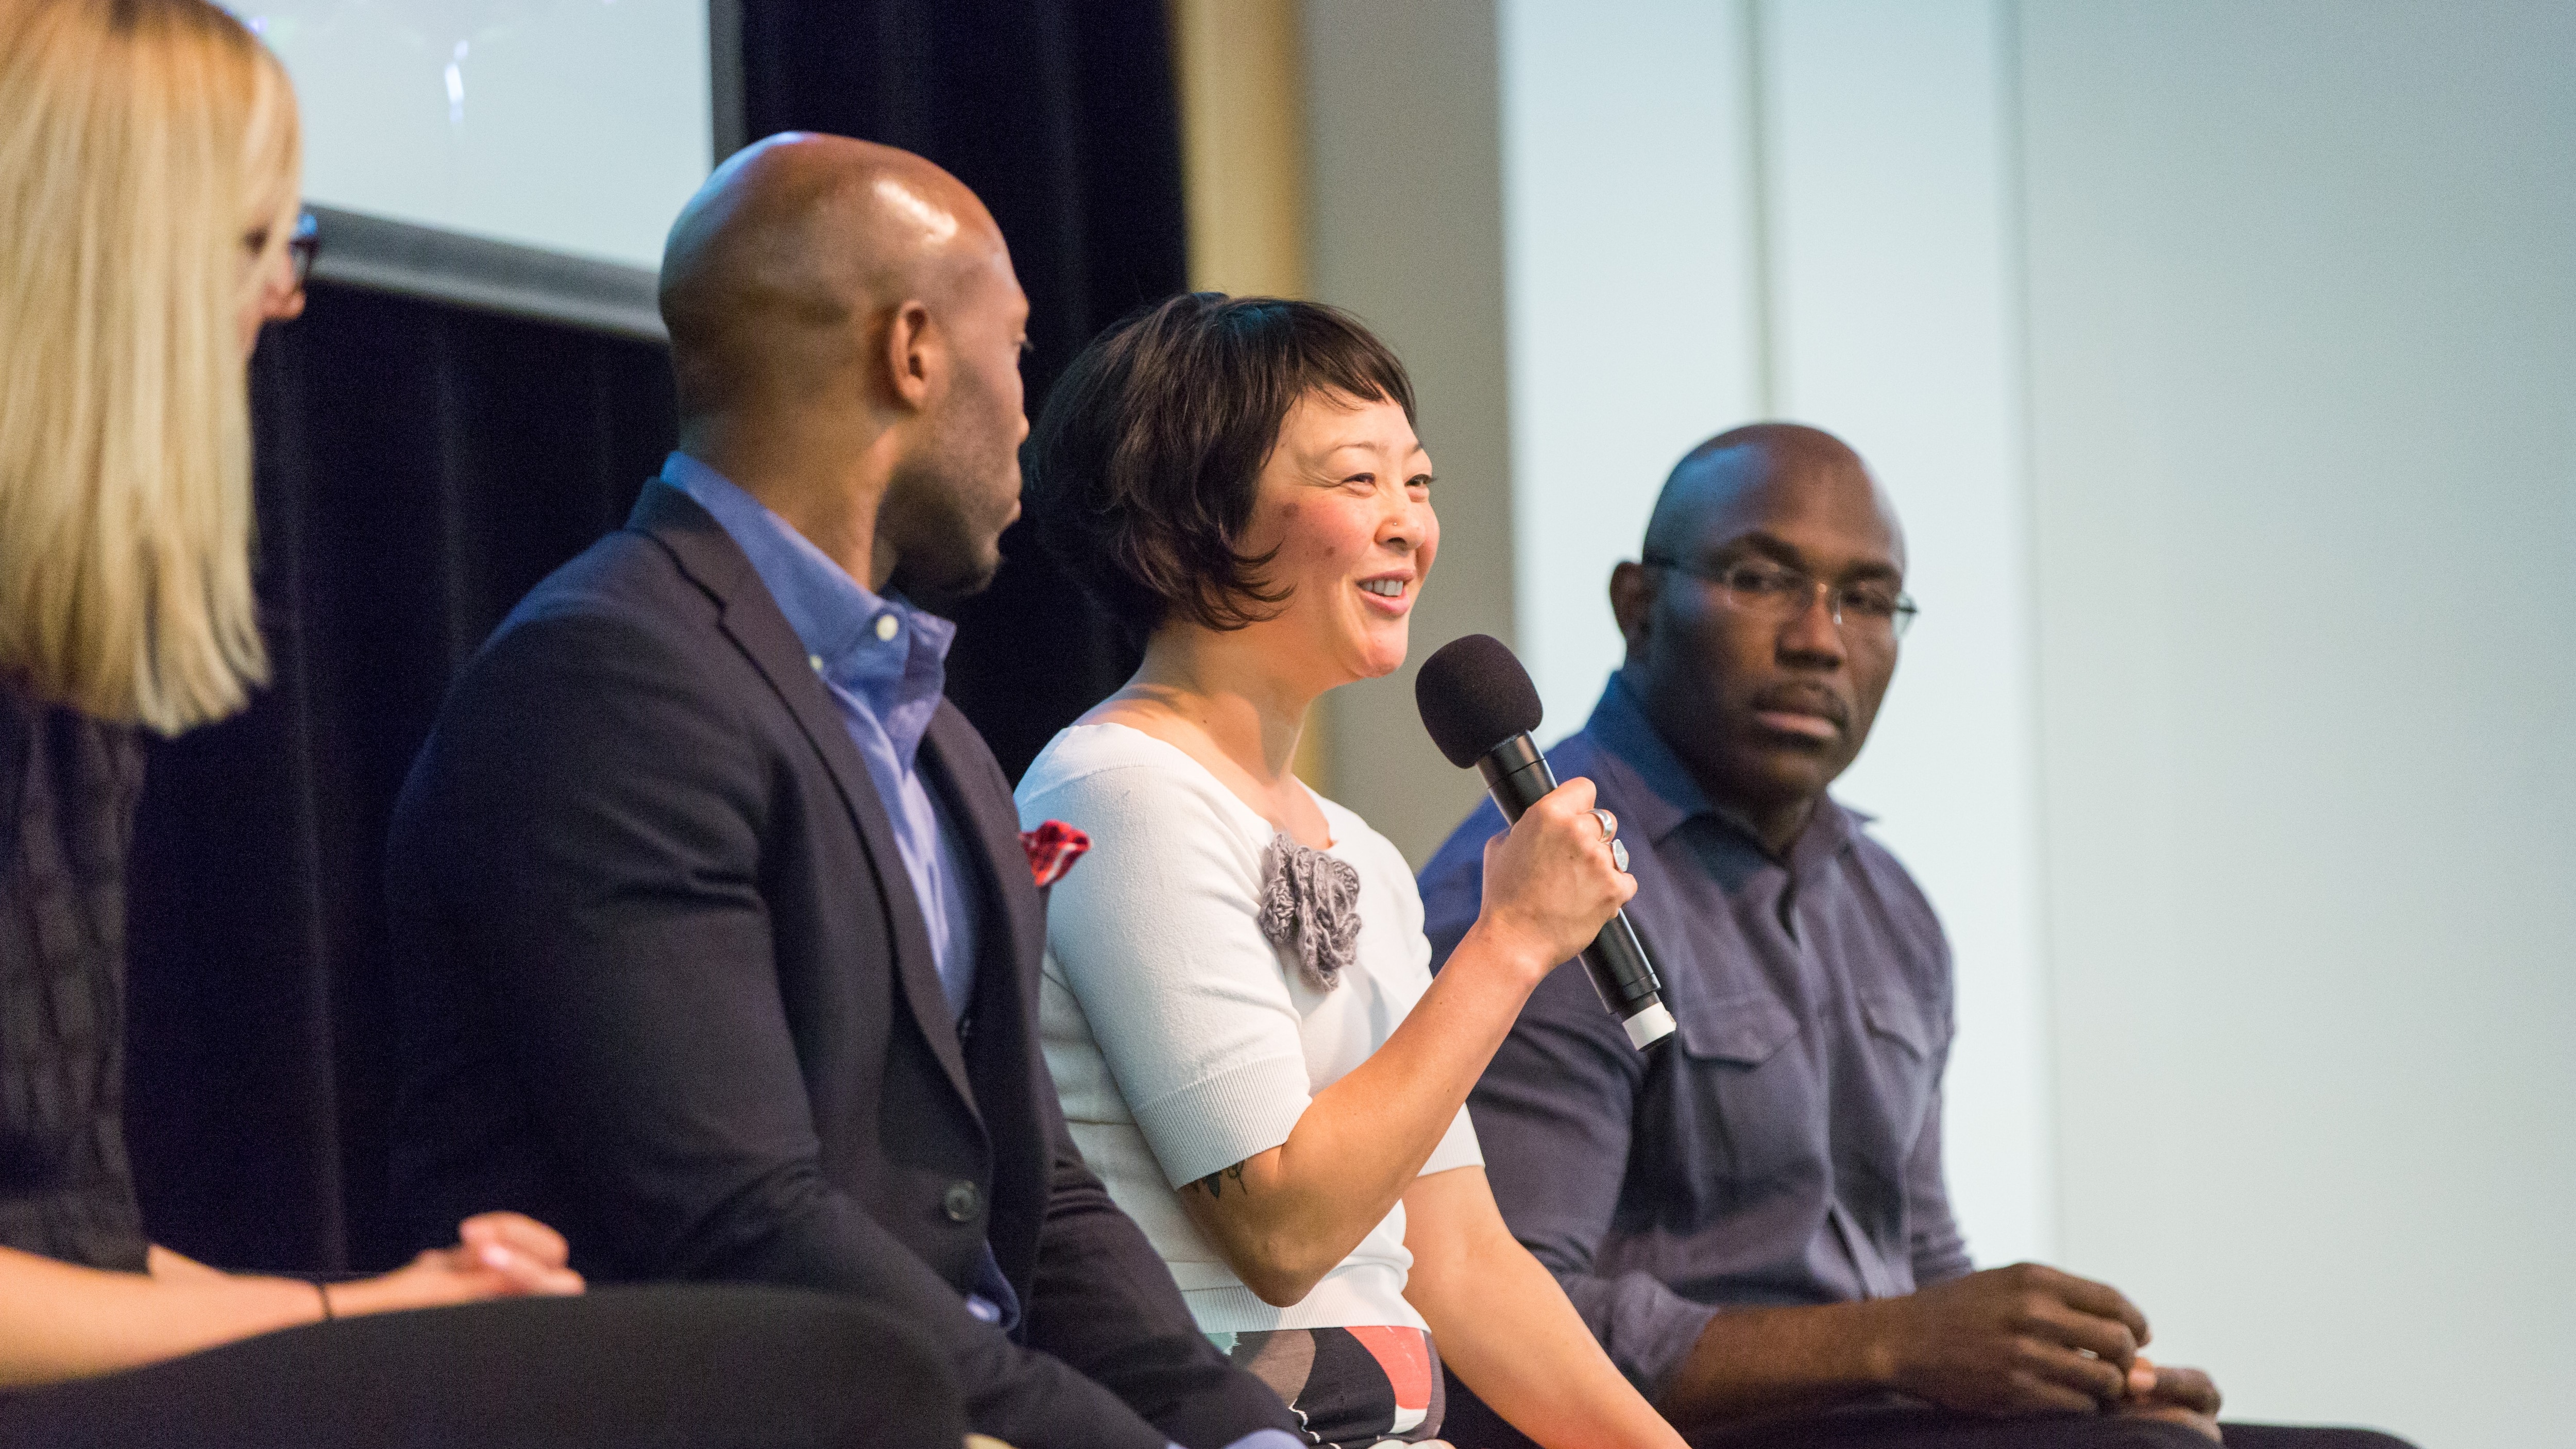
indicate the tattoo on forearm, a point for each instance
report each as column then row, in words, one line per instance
column 1214, row 1183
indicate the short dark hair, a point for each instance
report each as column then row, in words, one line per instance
column 1145, row 461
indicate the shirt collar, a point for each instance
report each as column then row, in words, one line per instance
column 887, row 653
column 1673, row 797
column 1618, row 725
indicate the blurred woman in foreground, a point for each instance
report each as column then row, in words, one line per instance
column 1237, row 1001
column 149, row 160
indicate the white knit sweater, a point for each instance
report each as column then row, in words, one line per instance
column 1181, row 1040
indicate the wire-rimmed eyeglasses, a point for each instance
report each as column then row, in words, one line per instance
column 1874, row 608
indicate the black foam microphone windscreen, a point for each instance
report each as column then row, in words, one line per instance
column 1480, row 707
column 1473, row 696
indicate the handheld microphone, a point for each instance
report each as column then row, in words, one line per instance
column 1480, row 707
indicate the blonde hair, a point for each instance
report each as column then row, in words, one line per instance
column 136, row 136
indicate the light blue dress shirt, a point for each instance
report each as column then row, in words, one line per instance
column 884, row 663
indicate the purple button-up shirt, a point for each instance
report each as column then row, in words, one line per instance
column 1784, row 1146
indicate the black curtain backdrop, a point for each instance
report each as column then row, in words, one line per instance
column 422, row 466
column 419, row 468
column 1060, row 115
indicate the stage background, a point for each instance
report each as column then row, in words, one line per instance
column 2218, row 356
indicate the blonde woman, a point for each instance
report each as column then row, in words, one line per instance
column 149, row 160
column 1237, row 1002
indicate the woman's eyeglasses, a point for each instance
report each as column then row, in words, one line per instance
column 302, row 245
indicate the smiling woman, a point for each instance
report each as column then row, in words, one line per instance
column 1237, row 1003
column 1159, row 435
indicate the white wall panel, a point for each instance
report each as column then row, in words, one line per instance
column 1893, row 324
column 2303, row 322
column 1628, row 228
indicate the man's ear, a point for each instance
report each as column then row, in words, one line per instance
column 915, row 357
column 1632, row 603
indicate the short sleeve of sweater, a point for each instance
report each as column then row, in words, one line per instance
column 1155, row 932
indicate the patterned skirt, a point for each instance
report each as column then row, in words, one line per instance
column 1350, row 1387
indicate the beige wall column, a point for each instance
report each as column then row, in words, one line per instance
column 1240, row 66
column 1403, row 120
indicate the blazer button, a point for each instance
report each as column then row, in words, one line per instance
column 962, row 1202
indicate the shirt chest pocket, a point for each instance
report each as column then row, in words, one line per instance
column 1900, row 1062
column 1751, row 1088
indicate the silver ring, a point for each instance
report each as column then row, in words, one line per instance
column 1609, row 825
column 1619, row 856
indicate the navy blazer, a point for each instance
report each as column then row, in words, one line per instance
column 665, row 984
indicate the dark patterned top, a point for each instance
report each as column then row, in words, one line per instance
column 68, row 785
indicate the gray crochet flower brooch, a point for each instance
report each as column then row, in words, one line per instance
column 1310, row 908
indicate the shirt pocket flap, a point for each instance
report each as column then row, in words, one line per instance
column 1898, row 1017
column 1745, row 1029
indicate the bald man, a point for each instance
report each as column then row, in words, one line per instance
column 719, row 942
column 1753, row 1218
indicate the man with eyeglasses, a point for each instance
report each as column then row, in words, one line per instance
column 1753, row 1218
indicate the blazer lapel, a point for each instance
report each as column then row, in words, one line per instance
column 992, row 823
column 751, row 618
column 1003, row 1051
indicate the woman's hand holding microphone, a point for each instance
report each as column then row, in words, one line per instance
column 1552, row 881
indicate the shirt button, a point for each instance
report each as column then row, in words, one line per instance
column 962, row 1202
column 887, row 624
column 816, row 660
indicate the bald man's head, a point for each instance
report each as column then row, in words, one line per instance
column 1760, row 638
column 1718, row 474
column 781, row 263
column 846, row 335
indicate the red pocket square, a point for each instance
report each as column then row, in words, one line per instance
column 1053, row 848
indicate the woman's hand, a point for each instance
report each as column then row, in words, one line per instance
column 497, row 1255
column 62, row 1321
column 1550, row 883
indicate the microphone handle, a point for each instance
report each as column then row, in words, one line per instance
column 1516, row 774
